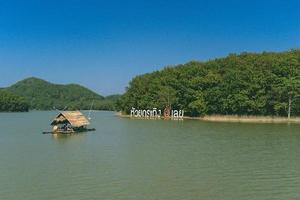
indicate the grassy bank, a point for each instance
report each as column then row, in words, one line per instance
column 248, row 119
column 236, row 118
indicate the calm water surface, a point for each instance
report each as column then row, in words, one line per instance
column 148, row 159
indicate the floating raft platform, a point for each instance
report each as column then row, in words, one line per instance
column 68, row 132
column 69, row 122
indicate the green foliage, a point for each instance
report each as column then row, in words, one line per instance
column 42, row 95
column 198, row 106
column 12, row 103
column 244, row 84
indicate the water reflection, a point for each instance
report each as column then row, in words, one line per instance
column 69, row 137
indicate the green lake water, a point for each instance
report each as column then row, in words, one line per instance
column 148, row 160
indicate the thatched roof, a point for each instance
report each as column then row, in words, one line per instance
column 75, row 118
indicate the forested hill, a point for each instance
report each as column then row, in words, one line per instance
column 43, row 95
column 12, row 103
column 244, row 84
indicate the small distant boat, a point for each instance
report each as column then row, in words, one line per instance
column 68, row 122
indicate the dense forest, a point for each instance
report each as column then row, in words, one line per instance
column 42, row 95
column 265, row 83
column 12, row 103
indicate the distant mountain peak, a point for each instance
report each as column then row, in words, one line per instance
column 32, row 80
column 44, row 95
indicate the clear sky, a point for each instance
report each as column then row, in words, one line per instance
column 103, row 44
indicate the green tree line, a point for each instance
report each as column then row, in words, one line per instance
column 12, row 103
column 265, row 83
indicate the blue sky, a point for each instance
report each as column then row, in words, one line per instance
column 103, row 44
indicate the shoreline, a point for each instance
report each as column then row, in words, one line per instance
column 233, row 118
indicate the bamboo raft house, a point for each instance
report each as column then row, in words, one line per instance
column 67, row 122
